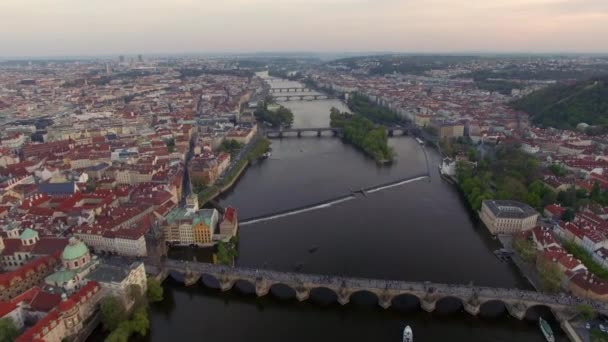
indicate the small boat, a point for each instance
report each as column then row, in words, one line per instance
column 313, row 249
column 267, row 154
column 546, row 329
column 299, row 267
column 420, row 141
column 408, row 336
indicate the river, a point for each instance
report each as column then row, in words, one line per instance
column 418, row 231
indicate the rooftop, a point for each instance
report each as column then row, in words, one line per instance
column 509, row 209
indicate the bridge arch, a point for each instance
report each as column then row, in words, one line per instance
column 323, row 295
column 448, row 304
column 364, row 297
column 537, row 310
column 405, row 302
column 493, row 308
column 210, row 281
column 282, row 291
column 244, row 286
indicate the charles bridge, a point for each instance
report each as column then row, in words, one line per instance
column 517, row 302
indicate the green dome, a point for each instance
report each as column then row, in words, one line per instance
column 74, row 250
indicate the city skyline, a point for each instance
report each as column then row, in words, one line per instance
column 103, row 28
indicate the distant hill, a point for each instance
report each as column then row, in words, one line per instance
column 565, row 106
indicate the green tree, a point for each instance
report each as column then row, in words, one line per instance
column 155, row 290
column 567, row 198
column 586, row 312
column 226, row 252
column 558, row 170
column 140, row 323
column 550, row 275
column 595, row 192
column 121, row 334
column 112, row 312
column 525, row 249
column 170, row 145
column 8, row 330
column 568, row 215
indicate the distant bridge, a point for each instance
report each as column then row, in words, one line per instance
column 336, row 131
column 305, row 97
column 290, row 89
column 517, row 302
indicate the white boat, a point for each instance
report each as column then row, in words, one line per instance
column 420, row 141
column 408, row 336
column 546, row 329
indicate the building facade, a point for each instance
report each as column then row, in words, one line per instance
column 185, row 226
column 507, row 217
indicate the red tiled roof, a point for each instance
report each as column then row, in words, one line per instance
column 230, row 214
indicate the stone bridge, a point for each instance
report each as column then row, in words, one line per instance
column 305, row 97
column 290, row 89
column 517, row 302
column 286, row 132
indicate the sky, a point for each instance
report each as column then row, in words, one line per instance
column 114, row 27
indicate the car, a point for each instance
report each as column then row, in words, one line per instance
column 587, row 326
column 602, row 328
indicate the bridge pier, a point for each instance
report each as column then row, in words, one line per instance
column 390, row 132
column 319, row 132
column 261, row 287
column 302, row 293
column 428, row 305
column 385, row 300
column 517, row 310
column 226, row 283
column 343, row 297
column 299, row 133
column 191, row 278
column 472, row 308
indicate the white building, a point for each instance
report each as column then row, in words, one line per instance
column 507, row 217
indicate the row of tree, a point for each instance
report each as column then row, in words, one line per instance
column 549, row 273
column 363, row 106
column 362, row 133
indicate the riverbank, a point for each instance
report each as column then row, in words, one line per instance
column 256, row 152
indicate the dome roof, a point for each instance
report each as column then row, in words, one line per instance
column 74, row 250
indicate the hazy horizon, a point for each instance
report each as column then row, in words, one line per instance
column 39, row 28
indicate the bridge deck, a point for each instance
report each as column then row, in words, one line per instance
column 378, row 285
